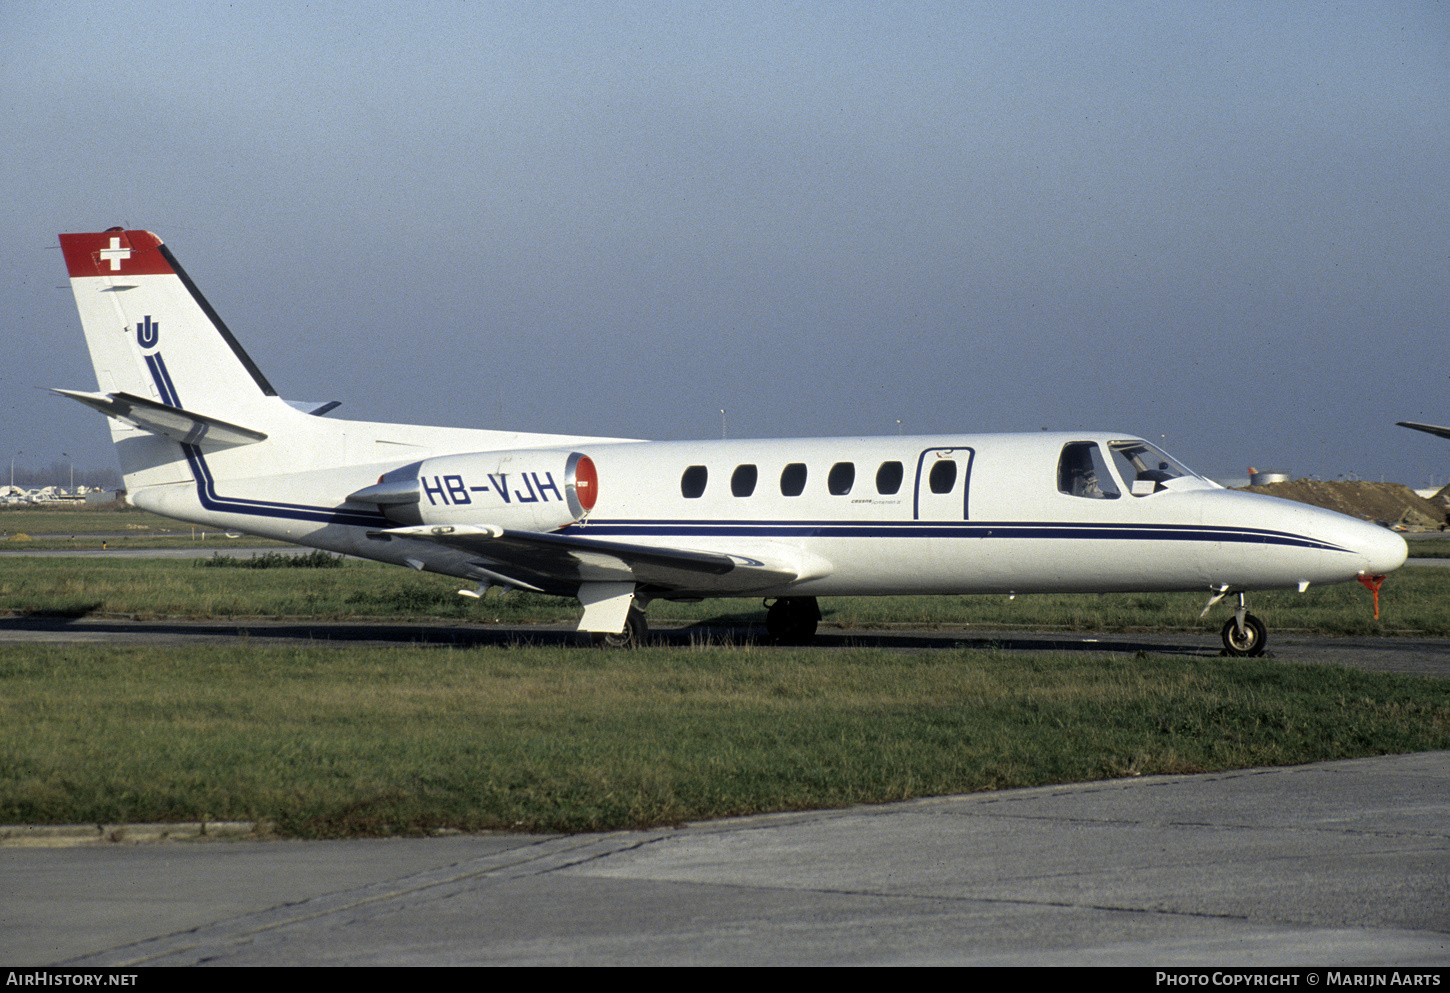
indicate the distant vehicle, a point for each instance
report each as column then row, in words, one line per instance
column 202, row 436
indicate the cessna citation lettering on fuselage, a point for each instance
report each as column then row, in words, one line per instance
column 202, row 436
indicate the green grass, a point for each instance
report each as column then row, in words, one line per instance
column 37, row 521
column 1428, row 548
column 149, row 588
column 315, row 559
column 329, row 743
column 70, row 529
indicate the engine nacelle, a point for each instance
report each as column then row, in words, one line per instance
column 518, row 490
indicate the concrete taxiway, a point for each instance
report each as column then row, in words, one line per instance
column 1342, row 863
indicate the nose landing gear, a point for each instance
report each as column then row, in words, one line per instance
column 1243, row 634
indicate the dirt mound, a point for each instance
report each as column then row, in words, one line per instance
column 1390, row 502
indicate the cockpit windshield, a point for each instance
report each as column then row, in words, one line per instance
column 1145, row 469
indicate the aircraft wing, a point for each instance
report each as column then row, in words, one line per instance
column 552, row 563
column 1427, row 428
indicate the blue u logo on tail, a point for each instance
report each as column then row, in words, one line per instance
column 147, row 332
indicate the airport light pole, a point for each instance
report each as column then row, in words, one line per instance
column 72, row 472
column 12, row 468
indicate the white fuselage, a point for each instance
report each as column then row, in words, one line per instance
column 1004, row 523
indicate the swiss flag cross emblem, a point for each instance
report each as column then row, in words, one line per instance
column 115, row 254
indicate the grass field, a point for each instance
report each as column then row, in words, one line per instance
column 322, row 742
column 1428, row 546
column 51, row 528
column 325, row 743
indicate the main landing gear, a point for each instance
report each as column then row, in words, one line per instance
column 792, row 620
column 1243, row 634
column 614, row 614
column 632, row 635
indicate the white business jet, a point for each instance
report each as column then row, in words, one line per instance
column 203, row 437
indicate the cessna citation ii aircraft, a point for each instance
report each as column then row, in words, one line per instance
column 203, row 437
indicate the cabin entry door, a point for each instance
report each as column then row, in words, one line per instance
column 943, row 485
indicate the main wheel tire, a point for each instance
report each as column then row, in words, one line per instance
column 792, row 620
column 632, row 635
column 1250, row 643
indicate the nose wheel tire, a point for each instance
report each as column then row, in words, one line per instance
column 1250, row 642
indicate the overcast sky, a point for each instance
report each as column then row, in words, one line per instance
column 1222, row 226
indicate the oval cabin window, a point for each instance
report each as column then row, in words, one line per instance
column 692, row 483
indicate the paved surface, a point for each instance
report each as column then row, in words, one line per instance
column 1343, row 863
column 1339, row 863
column 1418, row 656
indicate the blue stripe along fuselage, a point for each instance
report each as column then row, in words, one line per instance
column 211, row 500
column 944, row 529
column 206, row 484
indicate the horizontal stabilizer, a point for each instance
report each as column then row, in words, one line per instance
column 317, row 408
column 179, row 425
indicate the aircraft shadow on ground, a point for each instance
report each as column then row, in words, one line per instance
column 725, row 635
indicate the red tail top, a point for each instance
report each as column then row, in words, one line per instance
column 114, row 253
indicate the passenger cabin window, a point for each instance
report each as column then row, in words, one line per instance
column 793, row 479
column 692, row 483
column 1082, row 472
column 888, row 478
column 1144, row 468
column 943, row 476
column 841, row 478
column 742, row 480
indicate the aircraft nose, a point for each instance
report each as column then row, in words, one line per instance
column 1381, row 549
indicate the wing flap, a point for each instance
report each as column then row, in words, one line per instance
column 568, row 559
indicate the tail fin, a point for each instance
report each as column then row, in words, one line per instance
column 188, row 406
column 136, row 302
column 149, row 329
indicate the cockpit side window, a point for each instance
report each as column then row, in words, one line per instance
column 1082, row 472
column 1144, row 468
